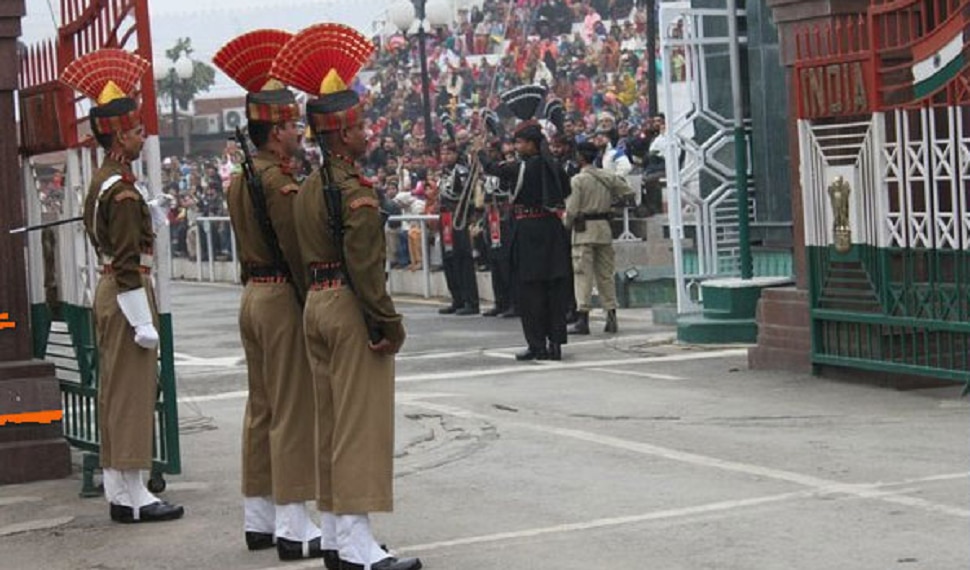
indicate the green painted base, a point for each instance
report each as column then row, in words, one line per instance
column 652, row 286
column 698, row 329
column 727, row 299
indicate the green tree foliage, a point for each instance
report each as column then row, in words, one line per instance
column 203, row 75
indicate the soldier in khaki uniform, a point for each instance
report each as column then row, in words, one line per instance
column 279, row 461
column 352, row 328
column 588, row 212
column 119, row 221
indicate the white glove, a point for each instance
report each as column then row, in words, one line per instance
column 134, row 305
column 159, row 206
column 146, row 336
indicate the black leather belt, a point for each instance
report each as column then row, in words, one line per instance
column 265, row 272
column 599, row 216
column 327, row 276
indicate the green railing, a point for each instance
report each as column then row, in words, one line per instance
column 892, row 310
column 67, row 340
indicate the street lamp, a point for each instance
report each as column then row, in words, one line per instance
column 182, row 69
column 406, row 15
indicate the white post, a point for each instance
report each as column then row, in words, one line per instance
column 425, row 261
column 208, row 248
column 163, row 240
column 36, row 269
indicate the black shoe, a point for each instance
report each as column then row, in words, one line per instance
column 531, row 354
column 389, row 563
column 554, row 352
column 510, row 314
column 447, row 310
column 611, row 325
column 493, row 312
column 293, row 549
column 581, row 326
column 259, row 540
column 155, row 512
column 467, row 310
column 331, row 559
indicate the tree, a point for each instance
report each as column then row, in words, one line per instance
column 203, row 75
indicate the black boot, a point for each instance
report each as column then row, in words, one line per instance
column 449, row 310
column 532, row 354
column 468, row 309
column 611, row 325
column 582, row 323
column 554, row 352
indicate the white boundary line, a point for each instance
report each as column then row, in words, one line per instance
column 520, row 369
column 651, row 375
column 825, row 486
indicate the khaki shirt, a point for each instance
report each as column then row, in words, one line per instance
column 364, row 244
column 122, row 234
column 280, row 189
column 594, row 191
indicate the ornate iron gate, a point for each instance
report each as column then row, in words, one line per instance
column 701, row 160
column 889, row 259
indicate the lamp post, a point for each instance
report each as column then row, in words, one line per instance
column 180, row 70
column 405, row 15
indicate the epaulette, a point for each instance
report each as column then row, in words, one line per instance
column 127, row 194
column 365, row 202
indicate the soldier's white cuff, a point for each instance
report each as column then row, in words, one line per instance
column 134, row 305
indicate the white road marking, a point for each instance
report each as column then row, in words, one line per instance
column 548, row 366
column 719, row 506
column 214, row 397
column 502, row 355
column 437, row 355
column 402, row 397
column 7, row 501
column 518, row 369
column 826, row 486
column 651, row 375
column 39, row 524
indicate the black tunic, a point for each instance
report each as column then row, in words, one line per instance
column 540, row 246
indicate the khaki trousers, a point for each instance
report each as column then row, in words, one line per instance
column 355, row 407
column 278, row 456
column 127, row 382
column 594, row 263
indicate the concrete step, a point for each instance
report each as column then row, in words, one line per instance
column 697, row 329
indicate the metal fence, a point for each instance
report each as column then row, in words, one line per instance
column 205, row 225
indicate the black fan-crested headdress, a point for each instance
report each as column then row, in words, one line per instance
column 524, row 101
column 556, row 114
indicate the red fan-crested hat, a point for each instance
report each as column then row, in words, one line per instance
column 108, row 76
column 248, row 60
column 323, row 60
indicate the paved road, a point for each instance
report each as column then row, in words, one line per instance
column 633, row 453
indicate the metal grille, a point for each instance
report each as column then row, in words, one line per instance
column 701, row 172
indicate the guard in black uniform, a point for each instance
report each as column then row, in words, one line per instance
column 456, row 243
column 540, row 245
column 498, row 231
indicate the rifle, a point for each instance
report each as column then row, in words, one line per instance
column 334, row 203
column 36, row 227
column 258, row 197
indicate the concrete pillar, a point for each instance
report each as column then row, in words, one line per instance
column 28, row 452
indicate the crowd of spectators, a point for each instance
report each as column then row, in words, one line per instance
column 591, row 54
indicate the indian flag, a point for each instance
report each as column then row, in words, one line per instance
column 939, row 57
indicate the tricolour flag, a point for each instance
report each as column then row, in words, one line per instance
column 939, row 57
